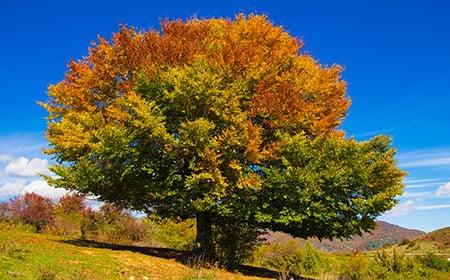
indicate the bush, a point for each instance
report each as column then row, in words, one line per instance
column 290, row 257
column 434, row 261
column 175, row 234
column 397, row 266
column 235, row 242
column 356, row 267
column 33, row 209
column 71, row 203
column 69, row 213
column 404, row 242
column 112, row 224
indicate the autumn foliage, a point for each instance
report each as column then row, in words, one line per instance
column 31, row 208
column 225, row 120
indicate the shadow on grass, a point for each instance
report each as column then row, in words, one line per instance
column 177, row 255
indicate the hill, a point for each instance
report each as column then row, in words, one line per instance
column 437, row 242
column 384, row 234
column 28, row 255
column 440, row 237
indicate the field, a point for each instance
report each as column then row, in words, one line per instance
column 28, row 255
column 25, row 254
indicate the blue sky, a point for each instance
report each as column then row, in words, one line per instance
column 396, row 55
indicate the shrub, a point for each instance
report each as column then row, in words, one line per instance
column 290, row 257
column 404, row 242
column 434, row 261
column 112, row 224
column 356, row 268
column 397, row 266
column 175, row 234
column 4, row 211
column 71, row 203
column 235, row 242
column 69, row 213
column 33, row 209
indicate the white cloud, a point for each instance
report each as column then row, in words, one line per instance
column 42, row 188
column 415, row 181
column 5, row 157
column 402, row 209
column 27, row 168
column 433, row 207
column 425, row 158
column 443, row 190
column 416, row 194
column 12, row 188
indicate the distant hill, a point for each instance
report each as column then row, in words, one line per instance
column 436, row 242
column 385, row 233
column 440, row 237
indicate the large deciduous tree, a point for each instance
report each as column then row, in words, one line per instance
column 221, row 120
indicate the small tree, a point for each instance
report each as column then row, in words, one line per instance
column 33, row 209
column 221, row 120
column 72, row 203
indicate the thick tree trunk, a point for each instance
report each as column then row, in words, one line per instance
column 204, row 235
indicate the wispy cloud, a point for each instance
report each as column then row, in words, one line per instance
column 412, row 205
column 425, row 158
column 433, row 207
column 425, row 185
column 443, row 190
column 376, row 132
column 402, row 209
column 428, row 180
column 417, row 194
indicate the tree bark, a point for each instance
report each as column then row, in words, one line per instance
column 205, row 238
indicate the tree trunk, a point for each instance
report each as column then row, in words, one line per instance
column 205, row 235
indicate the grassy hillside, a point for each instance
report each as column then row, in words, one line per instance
column 437, row 242
column 28, row 255
column 25, row 254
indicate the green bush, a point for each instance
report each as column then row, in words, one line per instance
column 235, row 242
column 434, row 261
column 357, row 267
column 289, row 257
column 171, row 233
column 397, row 266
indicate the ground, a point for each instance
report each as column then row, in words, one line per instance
column 28, row 255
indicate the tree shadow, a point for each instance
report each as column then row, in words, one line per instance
column 151, row 251
column 177, row 255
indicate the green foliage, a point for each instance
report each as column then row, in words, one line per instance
column 356, row 267
column 329, row 187
column 434, row 261
column 393, row 266
column 289, row 257
column 171, row 233
column 235, row 241
column 216, row 118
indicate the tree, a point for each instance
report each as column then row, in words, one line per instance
column 221, row 120
column 33, row 209
column 72, row 203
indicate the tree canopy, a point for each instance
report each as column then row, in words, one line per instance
column 218, row 119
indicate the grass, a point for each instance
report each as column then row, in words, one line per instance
column 28, row 255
